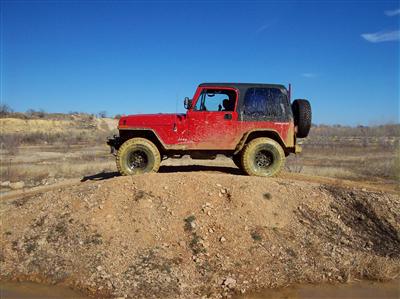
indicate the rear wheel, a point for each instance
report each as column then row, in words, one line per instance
column 263, row 157
column 136, row 156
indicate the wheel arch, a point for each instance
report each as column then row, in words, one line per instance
column 148, row 134
column 251, row 135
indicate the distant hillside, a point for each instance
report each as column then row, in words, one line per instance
column 61, row 129
column 57, row 125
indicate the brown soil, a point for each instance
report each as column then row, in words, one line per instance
column 198, row 234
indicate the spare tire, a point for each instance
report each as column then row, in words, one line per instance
column 302, row 117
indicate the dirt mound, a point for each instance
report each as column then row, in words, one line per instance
column 198, row 234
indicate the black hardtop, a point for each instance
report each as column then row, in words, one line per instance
column 243, row 85
column 285, row 115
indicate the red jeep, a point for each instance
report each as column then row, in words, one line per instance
column 254, row 124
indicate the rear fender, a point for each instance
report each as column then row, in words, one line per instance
column 270, row 133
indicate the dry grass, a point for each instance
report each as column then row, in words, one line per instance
column 42, row 165
column 42, row 174
column 347, row 162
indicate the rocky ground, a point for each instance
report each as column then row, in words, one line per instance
column 197, row 234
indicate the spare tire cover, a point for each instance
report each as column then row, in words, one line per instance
column 302, row 117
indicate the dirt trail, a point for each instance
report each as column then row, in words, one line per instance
column 370, row 186
column 198, row 234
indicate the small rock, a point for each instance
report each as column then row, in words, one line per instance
column 99, row 268
column 17, row 185
column 222, row 239
column 230, row 282
column 218, row 185
column 210, row 230
column 182, row 243
column 5, row 184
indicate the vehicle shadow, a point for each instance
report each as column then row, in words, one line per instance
column 168, row 169
column 194, row 168
column 100, row 176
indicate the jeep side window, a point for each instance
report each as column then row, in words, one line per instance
column 216, row 100
column 264, row 102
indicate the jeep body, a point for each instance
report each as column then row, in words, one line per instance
column 222, row 118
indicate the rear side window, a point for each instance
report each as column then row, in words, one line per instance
column 265, row 103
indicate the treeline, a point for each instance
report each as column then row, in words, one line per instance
column 388, row 130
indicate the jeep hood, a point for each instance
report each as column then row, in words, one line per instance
column 144, row 120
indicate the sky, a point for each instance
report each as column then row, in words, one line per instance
column 128, row 57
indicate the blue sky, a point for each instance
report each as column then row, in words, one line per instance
column 146, row 56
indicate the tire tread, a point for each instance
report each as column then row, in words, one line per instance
column 246, row 161
column 131, row 142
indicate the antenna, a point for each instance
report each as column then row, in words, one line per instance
column 176, row 103
column 176, row 113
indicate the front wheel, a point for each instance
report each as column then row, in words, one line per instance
column 137, row 156
column 263, row 157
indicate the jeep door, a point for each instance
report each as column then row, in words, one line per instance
column 212, row 119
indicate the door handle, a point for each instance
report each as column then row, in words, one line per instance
column 228, row 116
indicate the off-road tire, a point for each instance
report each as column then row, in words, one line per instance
column 237, row 159
column 302, row 117
column 266, row 147
column 147, row 150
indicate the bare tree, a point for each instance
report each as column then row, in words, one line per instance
column 102, row 114
column 5, row 110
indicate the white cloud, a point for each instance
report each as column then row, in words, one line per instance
column 381, row 36
column 392, row 13
column 309, row 75
column 262, row 28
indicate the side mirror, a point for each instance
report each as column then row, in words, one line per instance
column 187, row 103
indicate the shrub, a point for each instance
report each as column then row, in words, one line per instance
column 10, row 143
